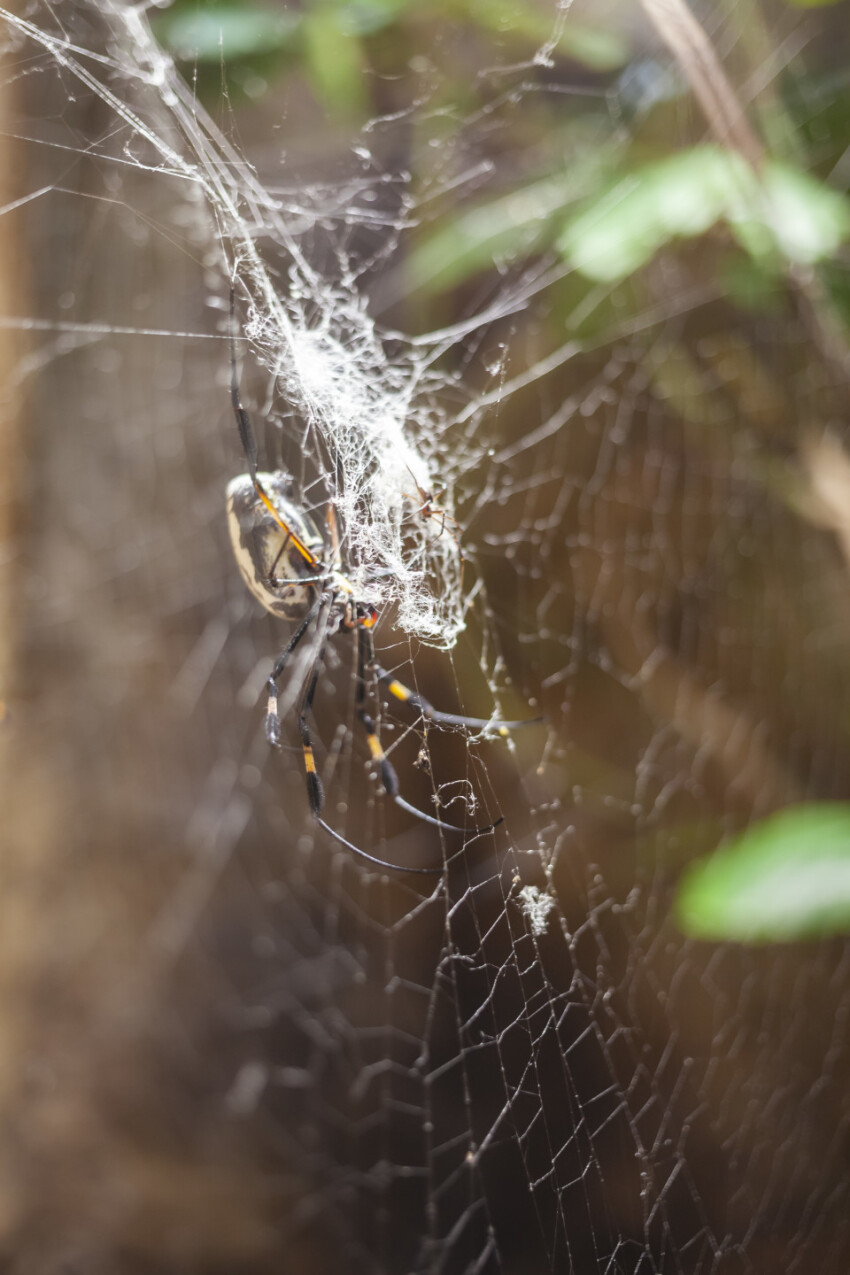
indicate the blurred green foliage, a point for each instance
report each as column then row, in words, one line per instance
column 787, row 877
column 783, row 215
column 328, row 39
column 607, row 208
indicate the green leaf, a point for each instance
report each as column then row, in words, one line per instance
column 620, row 231
column 232, row 31
column 805, row 220
column 785, row 878
column 781, row 213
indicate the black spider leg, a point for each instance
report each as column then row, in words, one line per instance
column 246, row 433
column 389, row 777
column 271, row 578
column 272, row 718
column 315, row 791
column 433, row 715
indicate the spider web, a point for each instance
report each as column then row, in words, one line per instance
column 228, row 1044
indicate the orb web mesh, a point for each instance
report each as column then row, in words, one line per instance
column 563, row 496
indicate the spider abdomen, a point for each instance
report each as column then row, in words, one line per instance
column 277, row 546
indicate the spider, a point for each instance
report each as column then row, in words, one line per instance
column 296, row 573
column 428, row 509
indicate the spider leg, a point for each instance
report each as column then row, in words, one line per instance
column 281, row 551
column 389, row 776
column 272, row 719
column 433, row 715
column 315, row 791
column 284, row 582
column 243, row 421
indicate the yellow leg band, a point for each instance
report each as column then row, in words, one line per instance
column 309, row 763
